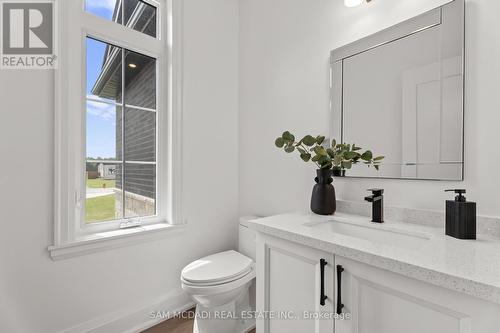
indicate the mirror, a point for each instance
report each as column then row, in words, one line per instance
column 400, row 93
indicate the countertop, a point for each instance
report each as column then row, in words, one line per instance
column 467, row 266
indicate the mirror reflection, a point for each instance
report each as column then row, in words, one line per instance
column 403, row 96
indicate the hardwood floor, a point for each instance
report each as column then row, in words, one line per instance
column 176, row 325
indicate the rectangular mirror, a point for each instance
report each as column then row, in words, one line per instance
column 400, row 93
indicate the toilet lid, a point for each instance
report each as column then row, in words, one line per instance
column 217, row 268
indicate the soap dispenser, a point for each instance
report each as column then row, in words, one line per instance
column 460, row 216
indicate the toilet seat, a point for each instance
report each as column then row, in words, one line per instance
column 217, row 269
column 217, row 283
column 197, row 289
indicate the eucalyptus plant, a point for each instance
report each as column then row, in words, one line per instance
column 337, row 156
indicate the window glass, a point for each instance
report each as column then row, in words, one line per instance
column 107, row 9
column 120, row 142
column 102, row 198
column 140, row 190
column 104, row 71
column 103, row 130
column 140, row 80
column 140, row 135
column 139, row 15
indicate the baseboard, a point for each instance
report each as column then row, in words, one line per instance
column 137, row 318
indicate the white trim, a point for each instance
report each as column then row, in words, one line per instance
column 113, row 33
column 175, row 106
column 140, row 108
column 104, row 161
column 139, row 162
column 136, row 318
column 92, row 98
column 107, row 240
column 69, row 235
column 113, row 225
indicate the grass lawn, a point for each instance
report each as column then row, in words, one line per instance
column 100, row 208
column 100, row 183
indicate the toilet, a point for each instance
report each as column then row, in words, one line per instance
column 223, row 287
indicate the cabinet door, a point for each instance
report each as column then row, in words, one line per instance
column 289, row 288
column 384, row 302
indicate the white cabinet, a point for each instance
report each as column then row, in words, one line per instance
column 384, row 302
column 289, row 279
column 289, row 287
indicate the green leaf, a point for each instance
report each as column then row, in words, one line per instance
column 315, row 158
column 287, row 136
column 324, row 159
column 301, row 150
column 346, row 164
column 320, row 139
column 289, row 148
column 320, row 151
column 379, row 158
column 326, row 165
column 334, row 143
column 308, row 140
column 330, row 152
column 337, row 160
column 367, row 155
column 377, row 167
column 305, row 157
column 279, row 142
column 350, row 155
column 355, row 148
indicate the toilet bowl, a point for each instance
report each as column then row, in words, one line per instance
column 223, row 287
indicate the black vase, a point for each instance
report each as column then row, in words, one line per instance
column 338, row 172
column 323, row 195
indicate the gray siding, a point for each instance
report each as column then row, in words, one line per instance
column 140, row 134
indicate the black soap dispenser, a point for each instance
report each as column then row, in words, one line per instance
column 460, row 216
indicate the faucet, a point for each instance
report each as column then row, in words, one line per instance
column 377, row 200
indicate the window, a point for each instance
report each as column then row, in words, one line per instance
column 139, row 15
column 117, row 120
column 120, row 173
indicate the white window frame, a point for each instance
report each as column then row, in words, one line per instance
column 72, row 236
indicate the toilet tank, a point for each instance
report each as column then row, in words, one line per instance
column 246, row 237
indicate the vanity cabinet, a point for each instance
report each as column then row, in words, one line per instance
column 289, row 287
column 385, row 302
column 289, row 279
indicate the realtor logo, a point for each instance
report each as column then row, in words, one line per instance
column 27, row 35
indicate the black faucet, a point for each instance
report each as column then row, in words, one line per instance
column 377, row 200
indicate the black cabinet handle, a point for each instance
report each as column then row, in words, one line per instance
column 340, row 269
column 322, row 296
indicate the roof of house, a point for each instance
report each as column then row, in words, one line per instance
column 141, row 17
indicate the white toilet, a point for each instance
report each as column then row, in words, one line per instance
column 223, row 287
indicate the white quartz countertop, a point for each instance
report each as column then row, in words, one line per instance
column 468, row 266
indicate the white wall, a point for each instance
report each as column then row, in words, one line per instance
column 284, row 49
column 40, row 295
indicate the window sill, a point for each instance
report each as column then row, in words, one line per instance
column 103, row 241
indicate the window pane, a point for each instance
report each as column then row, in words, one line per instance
column 107, row 9
column 140, row 16
column 140, row 190
column 103, row 137
column 104, row 71
column 102, row 200
column 140, row 80
column 140, row 135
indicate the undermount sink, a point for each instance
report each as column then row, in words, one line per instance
column 374, row 232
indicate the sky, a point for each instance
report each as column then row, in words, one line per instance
column 101, row 117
